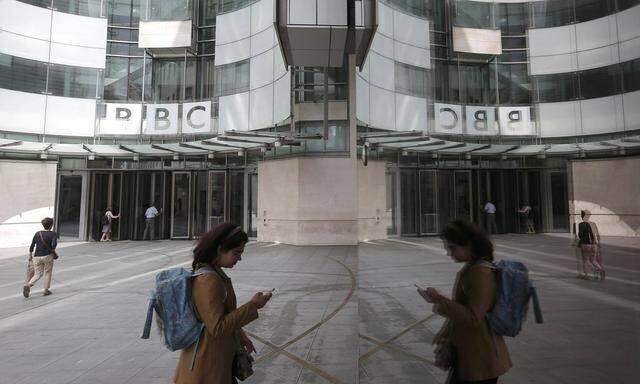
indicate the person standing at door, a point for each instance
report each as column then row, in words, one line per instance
column 150, row 222
column 44, row 243
column 490, row 211
column 106, row 224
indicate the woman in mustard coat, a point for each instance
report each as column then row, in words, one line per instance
column 215, row 305
column 470, row 349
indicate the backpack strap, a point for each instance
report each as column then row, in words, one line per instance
column 537, row 311
column 147, row 324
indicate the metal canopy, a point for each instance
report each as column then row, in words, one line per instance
column 248, row 137
column 145, row 150
column 232, row 145
column 494, row 149
column 26, row 147
column 410, row 144
column 210, row 147
column 528, row 150
column 432, row 148
column 108, row 150
column 5, row 142
column 563, row 149
column 181, row 148
column 67, row 150
column 462, row 149
column 596, row 147
column 622, row 143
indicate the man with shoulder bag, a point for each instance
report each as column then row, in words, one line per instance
column 44, row 243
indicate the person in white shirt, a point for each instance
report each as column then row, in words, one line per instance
column 490, row 211
column 150, row 222
column 106, row 224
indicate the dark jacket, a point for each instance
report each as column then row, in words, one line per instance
column 43, row 249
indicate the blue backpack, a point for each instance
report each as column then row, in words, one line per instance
column 176, row 318
column 512, row 301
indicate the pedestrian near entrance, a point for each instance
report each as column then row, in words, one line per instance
column 215, row 305
column 589, row 244
column 466, row 345
column 107, row 221
column 44, row 244
column 490, row 211
column 150, row 222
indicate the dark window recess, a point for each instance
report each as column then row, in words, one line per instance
column 474, row 14
column 477, row 84
column 514, row 84
column 592, row 9
column 513, row 18
column 123, row 12
column 556, row 87
column 552, row 13
column 124, row 49
column 232, row 78
column 410, row 80
column 445, row 82
column 92, row 8
column 122, row 34
column 514, row 42
column 70, row 81
column 206, row 33
column 38, row 3
column 631, row 75
column 600, row 82
column 206, row 48
column 625, row 4
column 23, row 75
column 513, row 56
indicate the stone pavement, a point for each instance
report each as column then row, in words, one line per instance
column 590, row 333
column 335, row 309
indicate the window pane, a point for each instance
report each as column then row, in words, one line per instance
column 592, row 9
column 631, row 75
column 38, row 3
column 410, row 80
column 167, row 79
column 93, row 8
column 514, row 42
column 232, row 78
column 600, row 82
column 474, row 14
column 514, row 84
column 337, row 138
column 556, row 87
column 123, row 12
column 552, row 13
column 208, row 11
column 168, row 10
column 24, row 75
column 206, row 76
column 477, row 84
column 116, row 78
column 513, row 18
column 70, row 81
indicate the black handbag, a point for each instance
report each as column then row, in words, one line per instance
column 242, row 363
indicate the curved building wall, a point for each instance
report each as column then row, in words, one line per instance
column 51, row 64
column 247, row 50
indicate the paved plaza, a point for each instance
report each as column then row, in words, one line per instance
column 341, row 314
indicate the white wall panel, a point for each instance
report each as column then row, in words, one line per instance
column 234, row 112
column 631, row 101
column 121, row 119
column 599, row 116
column 78, row 56
column 21, row 111
column 332, row 12
column 411, row 30
column 302, row 12
column 598, row 57
column 282, row 98
column 262, row 15
column 79, row 30
column 232, row 52
column 161, row 119
column 263, row 41
column 553, row 64
column 409, row 54
column 411, row 113
column 629, row 23
column 25, row 19
column 563, row 39
column 261, row 70
column 382, row 71
column 385, row 20
column 279, row 67
column 68, row 116
column 362, row 99
column 23, row 46
column 559, row 119
column 233, row 26
column 383, row 45
column 630, row 49
column 382, row 110
column 261, row 108
column 596, row 33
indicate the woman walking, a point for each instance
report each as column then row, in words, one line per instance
column 107, row 220
column 44, row 243
column 589, row 243
column 215, row 304
column 466, row 345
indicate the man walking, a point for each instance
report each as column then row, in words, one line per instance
column 150, row 222
column 490, row 211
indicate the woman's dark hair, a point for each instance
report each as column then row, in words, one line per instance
column 47, row 223
column 463, row 233
column 583, row 214
column 226, row 236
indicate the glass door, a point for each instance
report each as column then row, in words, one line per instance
column 252, row 209
column 462, row 195
column 236, row 197
column 217, row 197
column 70, row 207
column 180, row 202
column 408, row 203
column 199, row 213
column 390, row 213
column 428, row 202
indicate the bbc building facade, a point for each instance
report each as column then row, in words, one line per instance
column 318, row 121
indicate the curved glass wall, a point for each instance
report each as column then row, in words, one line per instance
column 555, row 13
column 91, row 8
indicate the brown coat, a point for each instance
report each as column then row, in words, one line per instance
column 480, row 353
column 215, row 304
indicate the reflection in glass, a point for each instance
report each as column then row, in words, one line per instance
column 217, row 197
column 181, row 201
column 68, row 81
column 390, row 214
column 70, row 196
column 123, row 12
column 428, row 202
column 92, row 8
column 23, row 75
column 474, row 14
column 166, row 10
column 408, row 192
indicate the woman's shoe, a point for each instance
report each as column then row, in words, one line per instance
column 25, row 291
column 46, row 292
column 602, row 274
